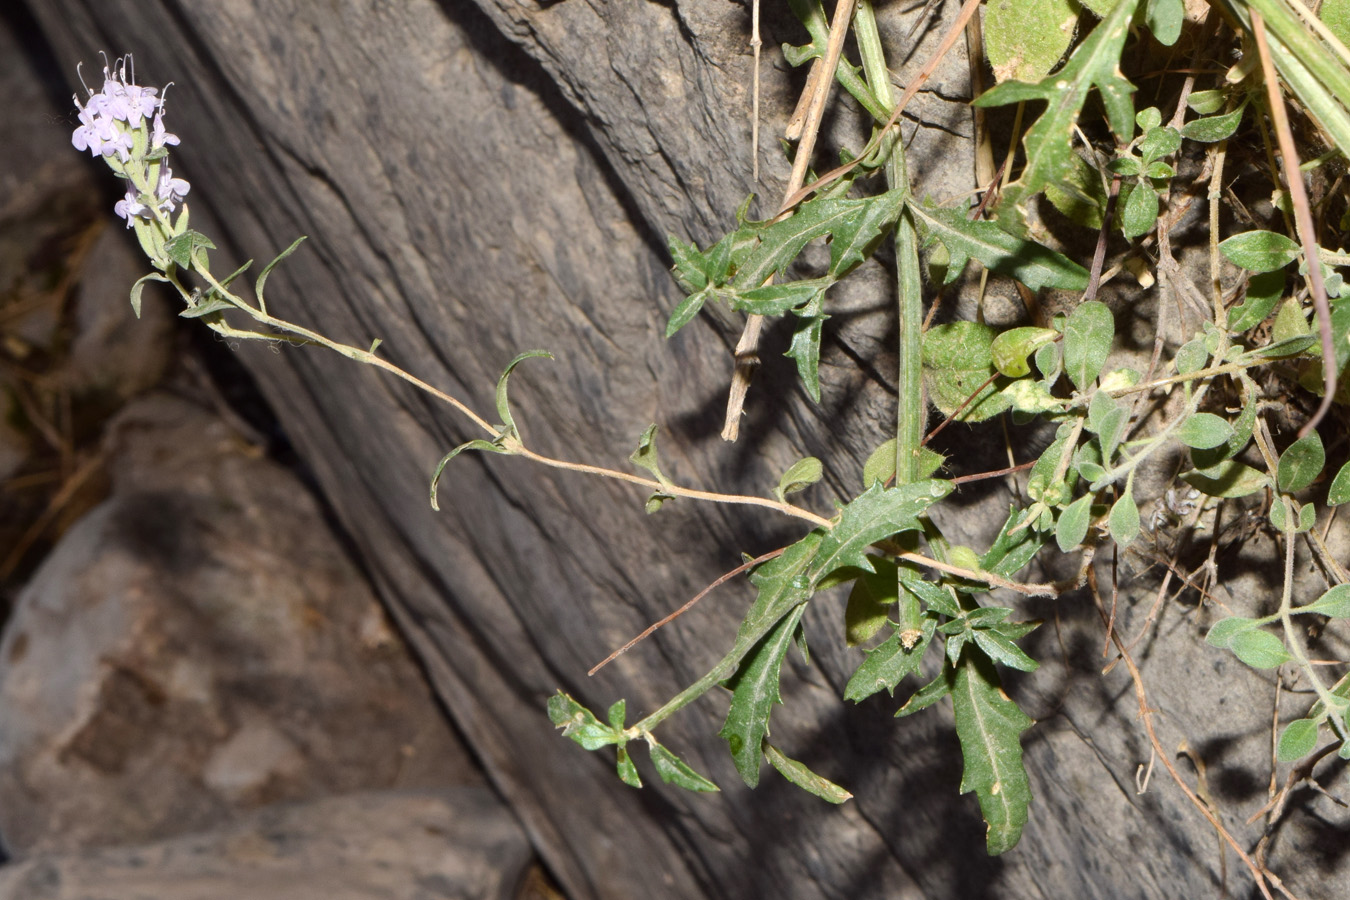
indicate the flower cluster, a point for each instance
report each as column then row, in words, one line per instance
column 124, row 123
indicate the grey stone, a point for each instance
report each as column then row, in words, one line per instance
column 458, row 843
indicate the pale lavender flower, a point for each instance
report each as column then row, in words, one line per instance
column 130, row 206
column 170, row 191
column 158, row 136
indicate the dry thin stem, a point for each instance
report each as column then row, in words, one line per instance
column 1259, row 873
column 1307, row 235
column 647, row 632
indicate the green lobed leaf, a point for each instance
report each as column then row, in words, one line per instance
column 1087, row 341
column 799, row 476
column 676, row 771
column 1011, row 551
column 777, row 299
column 1079, row 194
column 1072, row 526
column 874, row 515
column 1123, row 522
column 1339, row 492
column 503, row 405
column 1024, row 39
column 1049, row 142
column 691, row 266
column 1003, row 651
column 804, row 778
column 956, row 364
column 1298, row 740
column 886, row 666
column 189, row 247
column 754, row 690
column 1034, row 265
column 1259, row 649
column 783, row 584
column 989, row 727
column 1203, row 430
column 1334, row 604
column 1229, row 479
column 1300, row 464
column 684, row 313
column 855, row 239
column 930, row 693
column 1260, row 251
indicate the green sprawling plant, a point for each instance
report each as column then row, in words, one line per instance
column 925, row 607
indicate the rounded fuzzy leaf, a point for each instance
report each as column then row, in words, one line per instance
column 1212, row 129
column 1024, row 39
column 1011, row 349
column 1164, row 19
column 1073, row 523
column 1191, row 356
column 1298, row 740
column 1260, row 251
column 1222, row 632
column 1204, row 430
column 957, row 362
column 1263, row 292
column 1124, row 520
column 1339, row 492
column 1229, row 479
column 1335, row 603
column 1087, row 341
column 1140, row 212
column 1301, row 463
column 1206, row 103
column 1259, row 649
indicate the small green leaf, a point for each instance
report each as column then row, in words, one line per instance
column 616, row 715
column 1010, row 350
column 1011, row 550
column 1205, row 103
column 930, row 693
column 1222, row 632
column 880, row 466
column 1212, row 129
column 1229, row 479
column 645, row 456
column 804, row 778
column 1339, row 492
column 267, row 269
column 1259, row 649
column 504, row 407
column 1300, row 464
column 139, row 287
column 754, row 694
column 1108, row 419
column 1334, row 604
column 989, row 727
column 1140, row 211
column 1260, row 251
column 684, row 313
column 1073, row 523
column 674, row 770
column 1298, row 740
column 801, row 475
column 887, row 665
column 691, row 267
column 1087, row 341
column 805, row 351
column 628, row 772
column 580, row 724
column 1159, row 142
column 1003, row 651
column 486, row 446
column 1279, row 517
column 1263, row 292
column 1124, row 520
column 1203, row 430
column 870, row 602
column 776, row 299
column 189, row 247
column 1191, row 356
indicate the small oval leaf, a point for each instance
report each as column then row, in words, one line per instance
column 1298, row 740
column 1203, row 431
column 1301, row 463
column 1087, row 341
column 1124, row 520
column 1073, row 523
column 1335, row 603
column 1259, row 649
column 802, row 474
column 1339, row 492
column 1259, row 251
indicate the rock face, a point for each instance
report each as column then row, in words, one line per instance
column 452, row 843
column 196, row 647
column 482, row 178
